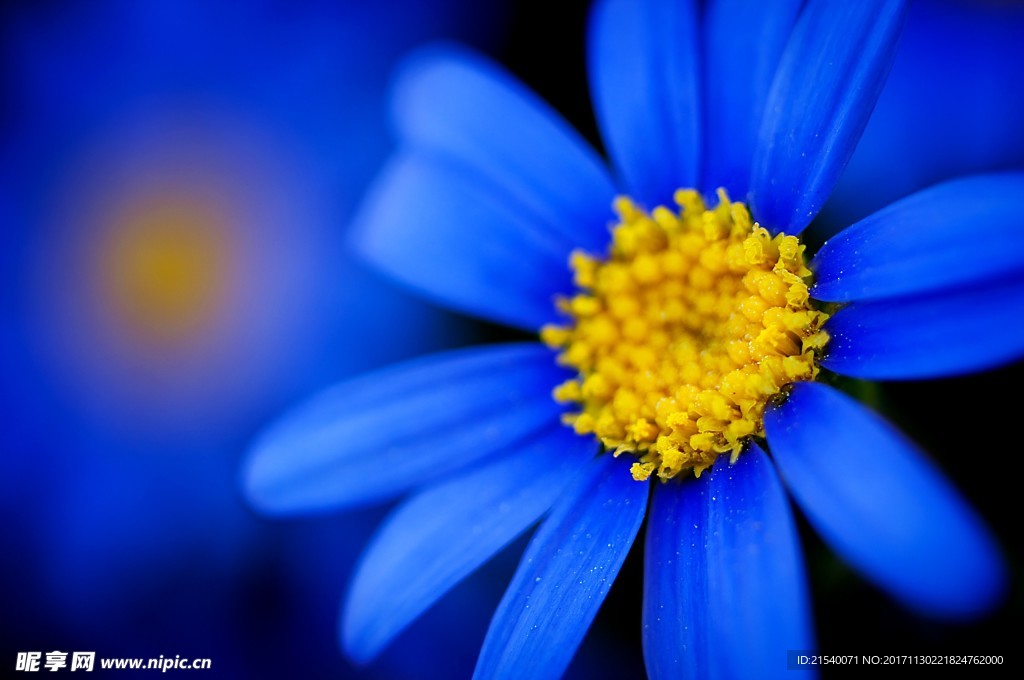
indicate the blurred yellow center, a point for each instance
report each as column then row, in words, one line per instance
column 697, row 318
column 163, row 267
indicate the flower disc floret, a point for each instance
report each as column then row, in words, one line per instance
column 694, row 322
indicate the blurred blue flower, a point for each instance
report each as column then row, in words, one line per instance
column 176, row 178
column 952, row 105
column 491, row 193
column 191, row 199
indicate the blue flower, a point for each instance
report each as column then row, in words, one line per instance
column 169, row 196
column 183, row 195
column 688, row 334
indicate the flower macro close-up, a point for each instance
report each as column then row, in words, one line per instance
column 684, row 361
column 598, row 339
column 695, row 367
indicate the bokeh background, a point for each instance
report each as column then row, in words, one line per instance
column 175, row 181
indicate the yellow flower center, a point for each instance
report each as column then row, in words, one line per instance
column 163, row 269
column 681, row 337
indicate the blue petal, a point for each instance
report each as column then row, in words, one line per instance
column 565, row 574
column 744, row 40
column 375, row 436
column 952, row 106
column 723, row 572
column 830, row 76
column 490, row 195
column 643, row 68
column 958, row 232
column 440, row 231
column 440, row 536
column 949, row 333
column 466, row 110
column 882, row 506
